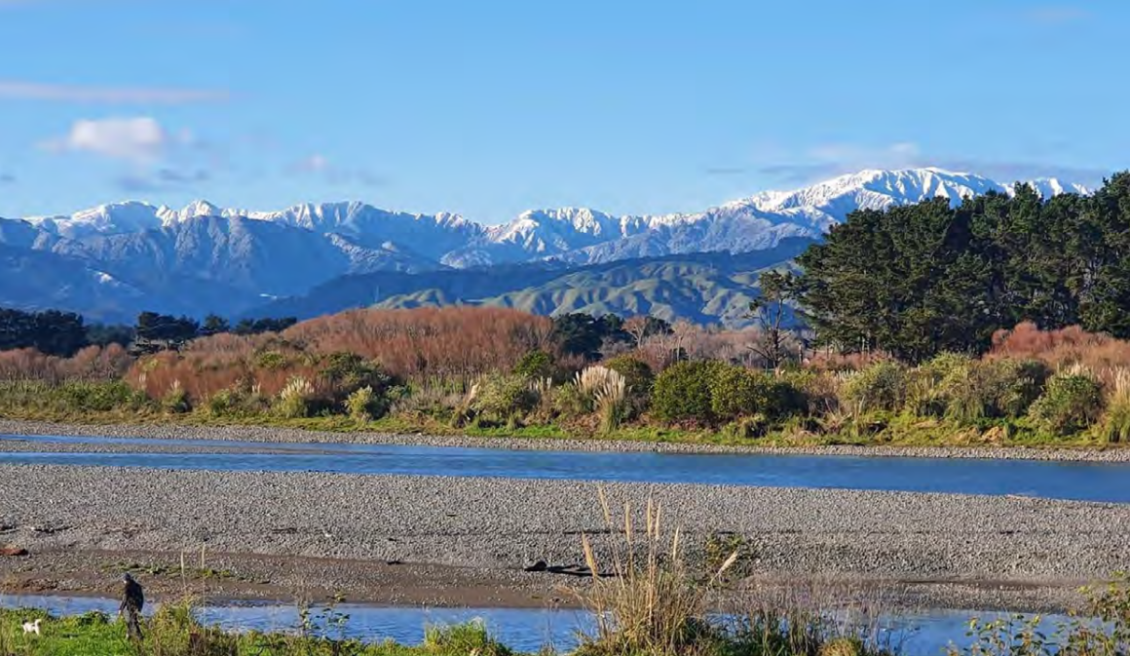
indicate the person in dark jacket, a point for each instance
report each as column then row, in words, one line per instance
column 133, row 600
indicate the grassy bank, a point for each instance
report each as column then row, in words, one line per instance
column 1059, row 388
column 173, row 631
column 877, row 429
column 648, row 609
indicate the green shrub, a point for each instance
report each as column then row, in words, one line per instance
column 881, row 386
column 222, row 403
column 504, row 397
column 817, row 393
column 570, row 401
column 967, row 390
column 536, row 364
column 271, row 360
column 739, row 392
column 746, row 428
column 1071, row 402
column 682, row 392
column 1023, row 382
column 996, row 389
column 344, row 373
column 463, row 639
column 360, row 405
column 928, row 385
column 1116, row 421
column 78, row 396
column 636, row 373
column 176, row 399
column 237, row 402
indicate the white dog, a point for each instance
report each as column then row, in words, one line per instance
column 32, row 627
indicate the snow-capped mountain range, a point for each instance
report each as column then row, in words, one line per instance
column 252, row 254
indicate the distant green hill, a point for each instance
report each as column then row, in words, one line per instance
column 706, row 288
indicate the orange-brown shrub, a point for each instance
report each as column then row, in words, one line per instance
column 1065, row 347
column 237, row 363
column 420, row 345
column 93, row 363
column 450, row 342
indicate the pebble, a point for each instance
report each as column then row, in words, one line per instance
column 509, row 523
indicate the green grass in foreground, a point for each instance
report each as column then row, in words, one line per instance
column 173, row 632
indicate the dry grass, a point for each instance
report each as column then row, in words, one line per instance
column 1102, row 354
column 646, row 601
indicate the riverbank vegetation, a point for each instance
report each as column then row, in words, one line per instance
column 647, row 603
column 997, row 321
column 502, row 372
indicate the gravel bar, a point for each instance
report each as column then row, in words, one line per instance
column 272, row 434
column 507, row 523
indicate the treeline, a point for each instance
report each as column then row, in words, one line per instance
column 62, row 334
column 924, row 279
column 51, row 332
column 160, row 331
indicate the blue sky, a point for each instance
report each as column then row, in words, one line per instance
column 494, row 106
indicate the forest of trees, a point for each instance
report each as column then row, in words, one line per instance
column 923, row 279
column 51, row 332
column 65, row 333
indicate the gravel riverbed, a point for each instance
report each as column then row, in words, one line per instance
column 272, row 434
column 504, row 524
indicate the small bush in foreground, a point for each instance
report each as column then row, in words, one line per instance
column 1116, row 422
column 504, row 398
column 1071, row 403
column 294, row 400
column 739, row 392
column 881, row 386
column 463, row 639
column 536, row 364
column 361, row 405
column 682, row 392
column 176, row 399
column 636, row 373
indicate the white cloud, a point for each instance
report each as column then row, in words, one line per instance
column 20, row 90
column 141, row 140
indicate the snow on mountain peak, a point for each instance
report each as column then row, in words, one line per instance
column 756, row 221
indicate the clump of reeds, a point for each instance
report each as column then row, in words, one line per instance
column 294, row 399
column 1115, row 427
column 606, row 390
column 646, row 601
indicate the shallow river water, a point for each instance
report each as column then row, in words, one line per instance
column 1087, row 481
column 921, row 634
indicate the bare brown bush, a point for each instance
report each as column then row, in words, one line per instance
column 93, row 363
column 420, row 346
column 1067, row 347
column 451, row 342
